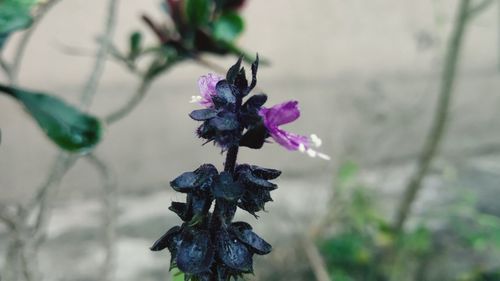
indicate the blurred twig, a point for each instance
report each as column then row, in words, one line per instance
column 208, row 64
column 47, row 192
column 130, row 104
column 109, row 216
column 6, row 68
column 498, row 34
column 21, row 48
column 5, row 216
column 315, row 260
column 455, row 154
column 478, row 8
column 90, row 88
column 27, row 239
column 435, row 135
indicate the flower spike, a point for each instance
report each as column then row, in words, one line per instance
column 209, row 245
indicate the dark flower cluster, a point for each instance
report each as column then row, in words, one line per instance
column 209, row 245
column 227, row 121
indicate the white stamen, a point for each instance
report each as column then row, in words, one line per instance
column 316, row 140
column 311, row 153
column 302, row 148
column 195, row 99
column 324, row 156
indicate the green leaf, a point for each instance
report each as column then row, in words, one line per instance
column 347, row 172
column 177, row 275
column 135, row 45
column 228, row 27
column 198, row 12
column 14, row 15
column 64, row 124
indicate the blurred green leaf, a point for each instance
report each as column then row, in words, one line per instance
column 177, row 275
column 219, row 4
column 64, row 124
column 339, row 275
column 418, row 241
column 228, row 27
column 347, row 172
column 135, row 45
column 345, row 250
column 197, row 11
column 14, row 15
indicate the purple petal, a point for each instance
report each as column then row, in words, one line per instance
column 288, row 140
column 207, row 84
column 280, row 114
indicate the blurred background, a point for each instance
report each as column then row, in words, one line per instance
column 367, row 75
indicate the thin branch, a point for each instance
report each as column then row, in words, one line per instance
column 210, row 65
column 315, row 260
column 475, row 10
column 118, row 56
column 6, row 217
column 435, row 135
column 12, row 270
column 28, row 261
column 498, row 34
column 100, row 62
column 131, row 104
column 6, row 68
column 109, row 216
column 455, row 154
column 23, row 44
column 46, row 194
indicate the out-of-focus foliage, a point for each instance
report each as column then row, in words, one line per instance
column 363, row 246
column 191, row 28
column 68, row 127
column 177, row 275
column 14, row 15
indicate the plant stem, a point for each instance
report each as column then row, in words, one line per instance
column 435, row 135
column 131, row 104
column 47, row 193
column 315, row 259
column 230, row 163
column 478, row 8
column 498, row 35
column 6, row 68
column 42, row 203
column 229, row 166
column 109, row 199
column 90, row 88
column 6, row 217
column 21, row 48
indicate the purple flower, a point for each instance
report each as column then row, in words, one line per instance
column 285, row 113
column 207, row 84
